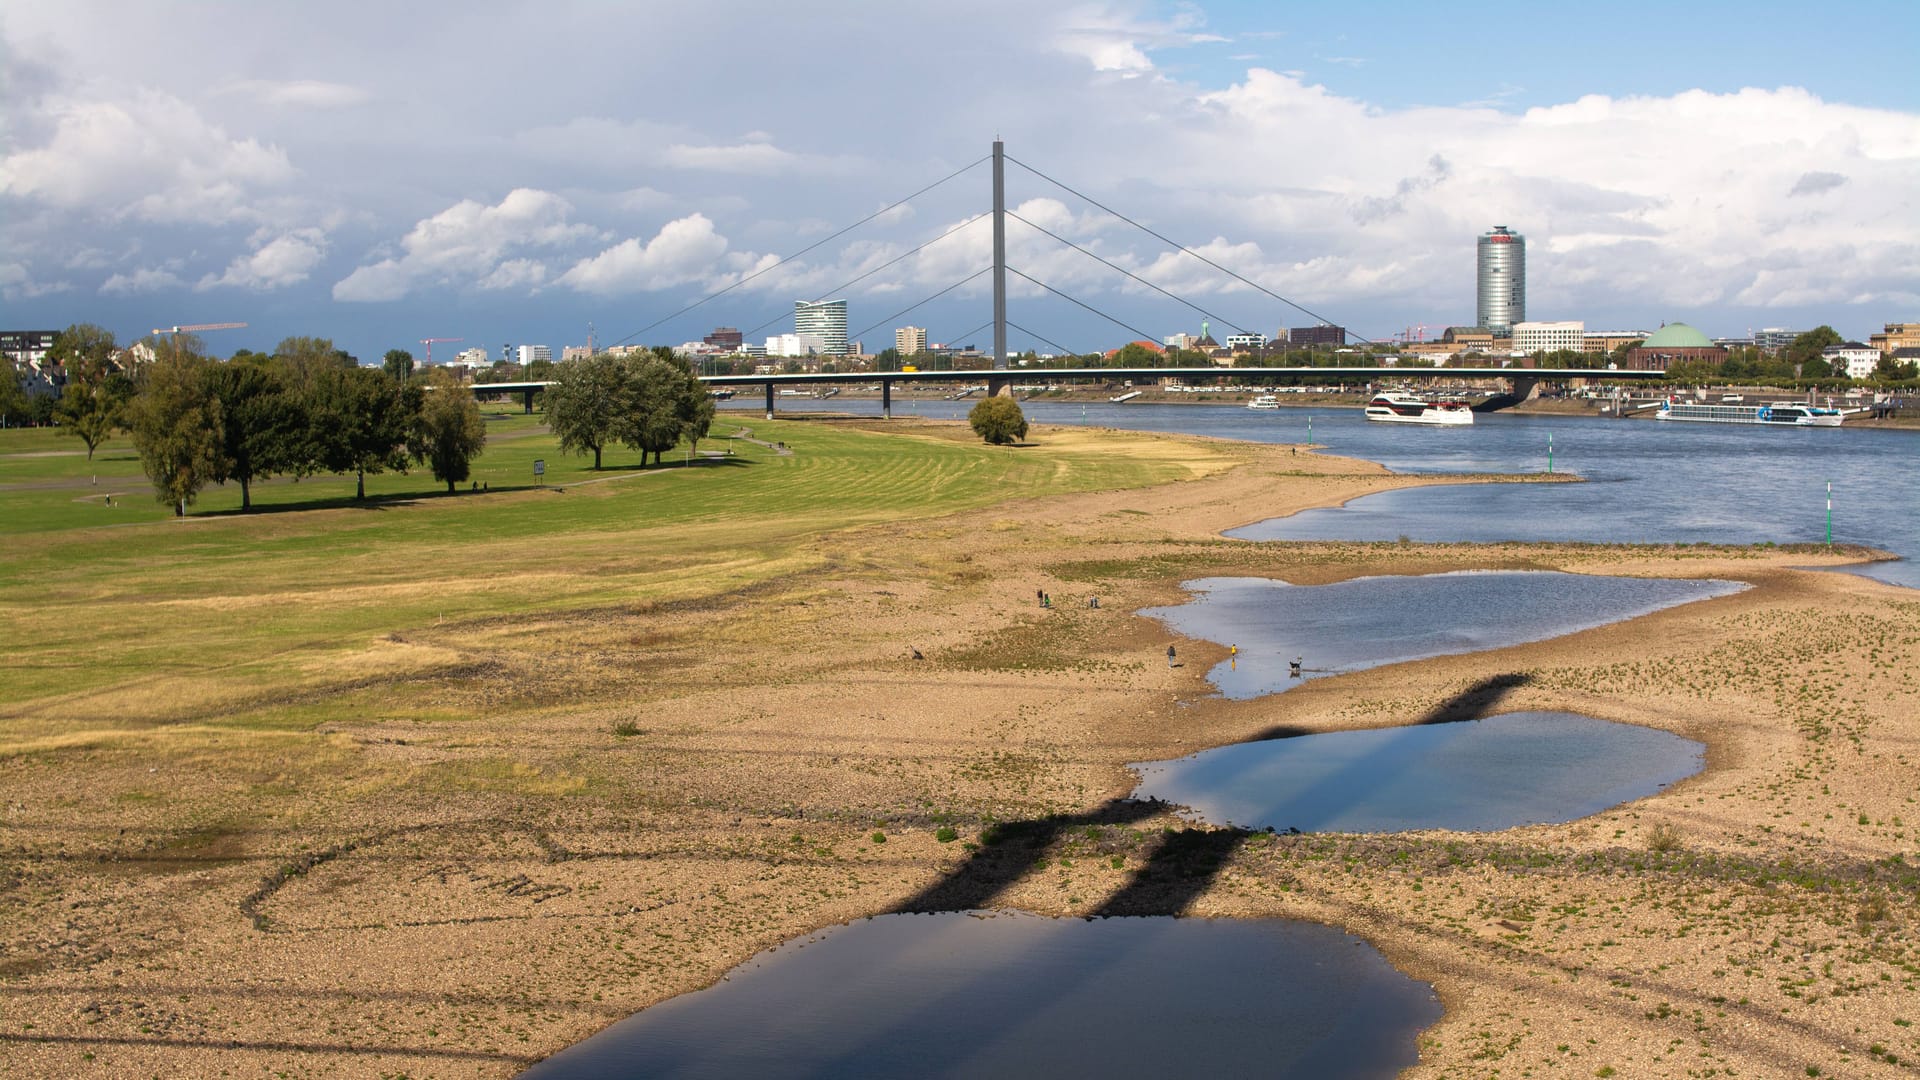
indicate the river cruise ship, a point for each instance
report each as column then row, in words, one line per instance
column 1784, row 413
column 1264, row 401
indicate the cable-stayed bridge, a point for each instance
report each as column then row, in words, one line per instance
column 999, row 379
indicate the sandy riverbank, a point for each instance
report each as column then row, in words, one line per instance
column 700, row 780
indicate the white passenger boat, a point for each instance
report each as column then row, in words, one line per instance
column 1800, row 416
column 1783, row 413
column 1396, row 408
column 1264, row 401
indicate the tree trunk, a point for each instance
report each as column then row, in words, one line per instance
column 360, row 489
column 449, row 487
column 246, row 493
column 596, row 459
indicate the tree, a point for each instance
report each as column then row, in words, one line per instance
column 359, row 421
column 1135, row 355
column 398, row 364
column 15, row 408
column 449, row 432
column 654, row 420
column 998, row 420
column 94, row 399
column 177, row 426
column 1805, row 349
column 303, row 359
column 586, row 403
column 262, row 426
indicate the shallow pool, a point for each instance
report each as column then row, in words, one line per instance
column 974, row 994
column 1521, row 768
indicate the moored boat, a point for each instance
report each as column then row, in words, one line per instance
column 1800, row 416
column 1264, row 401
column 1782, row 413
column 1397, row 408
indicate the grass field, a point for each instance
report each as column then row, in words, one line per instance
column 123, row 615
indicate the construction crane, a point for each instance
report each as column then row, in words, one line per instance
column 428, row 342
column 197, row 327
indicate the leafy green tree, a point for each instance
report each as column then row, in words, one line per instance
column 262, row 429
column 96, row 392
column 887, row 359
column 15, row 408
column 540, row 369
column 398, row 364
column 586, row 403
column 1802, row 351
column 449, row 432
column 656, row 409
column 302, row 361
column 998, row 420
column 177, row 426
column 360, row 420
column 1135, row 355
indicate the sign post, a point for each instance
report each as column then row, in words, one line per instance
column 540, row 471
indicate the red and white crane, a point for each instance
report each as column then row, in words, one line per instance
column 197, row 327
column 428, row 342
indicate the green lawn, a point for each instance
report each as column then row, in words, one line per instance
column 95, row 597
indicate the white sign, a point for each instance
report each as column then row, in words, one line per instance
column 539, row 467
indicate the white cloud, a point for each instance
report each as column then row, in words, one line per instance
column 684, row 250
column 1115, row 41
column 466, row 244
column 151, row 157
column 301, row 93
column 276, row 263
column 143, row 280
column 514, row 274
column 16, row 283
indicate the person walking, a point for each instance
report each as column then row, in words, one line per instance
column 1169, row 656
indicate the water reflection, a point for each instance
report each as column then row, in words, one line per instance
column 1367, row 622
column 1009, row 995
column 1520, row 768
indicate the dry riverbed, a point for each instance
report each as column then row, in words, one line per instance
column 609, row 807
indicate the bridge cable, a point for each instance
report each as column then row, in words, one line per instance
column 928, row 300
column 1144, row 336
column 1128, row 273
column 875, row 270
column 1178, row 245
column 1037, row 337
column 789, row 258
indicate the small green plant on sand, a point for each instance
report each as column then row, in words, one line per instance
column 946, row 834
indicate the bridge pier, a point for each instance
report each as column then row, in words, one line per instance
column 526, row 400
column 886, row 399
column 1526, row 389
column 769, row 401
column 999, row 385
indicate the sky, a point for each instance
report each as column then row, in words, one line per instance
column 380, row 173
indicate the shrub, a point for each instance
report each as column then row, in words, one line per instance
column 998, row 420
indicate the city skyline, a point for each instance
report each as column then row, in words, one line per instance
column 1699, row 174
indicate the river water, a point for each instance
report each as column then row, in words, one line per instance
column 1649, row 482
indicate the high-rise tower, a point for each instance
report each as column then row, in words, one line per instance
column 1502, row 280
column 827, row 318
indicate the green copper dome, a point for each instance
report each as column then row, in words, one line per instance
column 1677, row 335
